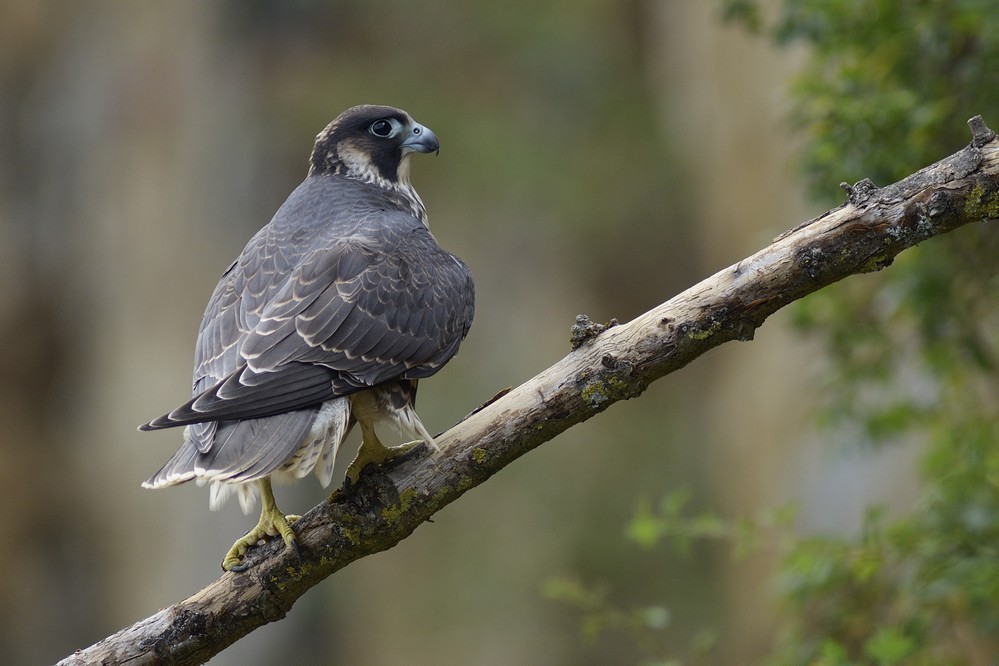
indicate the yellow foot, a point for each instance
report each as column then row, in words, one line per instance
column 374, row 452
column 272, row 523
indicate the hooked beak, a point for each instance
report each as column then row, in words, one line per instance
column 421, row 140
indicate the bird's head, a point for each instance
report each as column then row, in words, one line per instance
column 373, row 144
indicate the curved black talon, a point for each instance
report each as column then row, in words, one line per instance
column 239, row 568
column 298, row 551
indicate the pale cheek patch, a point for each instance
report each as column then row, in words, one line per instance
column 357, row 161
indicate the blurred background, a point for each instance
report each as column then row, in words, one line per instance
column 597, row 157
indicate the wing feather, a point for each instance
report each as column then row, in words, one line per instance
column 327, row 299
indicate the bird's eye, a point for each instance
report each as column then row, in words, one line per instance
column 382, row 128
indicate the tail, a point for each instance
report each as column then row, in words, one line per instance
column 238, row 451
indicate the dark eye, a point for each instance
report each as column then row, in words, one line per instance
column 381, row 128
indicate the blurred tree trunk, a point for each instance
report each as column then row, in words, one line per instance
column 104, row 144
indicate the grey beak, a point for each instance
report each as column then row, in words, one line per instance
column 421, row 140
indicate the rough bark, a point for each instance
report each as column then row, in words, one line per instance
column 606, row 364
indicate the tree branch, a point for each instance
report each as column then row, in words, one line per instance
column 606, row 364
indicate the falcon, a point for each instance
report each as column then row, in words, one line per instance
column 328, row 318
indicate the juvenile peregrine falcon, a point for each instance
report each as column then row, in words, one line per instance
column 327, row 318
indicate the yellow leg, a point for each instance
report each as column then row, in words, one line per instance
column 272, row 523
column 373, row 451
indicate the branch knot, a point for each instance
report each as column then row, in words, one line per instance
column 860, row 192
column 584, row 329
column 980, row 132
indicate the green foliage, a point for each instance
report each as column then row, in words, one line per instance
column 649, row 527
column 888, row 84
column 901, row 593
column 886, row 88
column 913, row 354
column 644, row 625
column 600, row 615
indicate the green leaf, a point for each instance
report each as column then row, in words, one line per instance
column 888, row 646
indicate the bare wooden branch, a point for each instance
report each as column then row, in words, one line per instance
column 606, row 364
